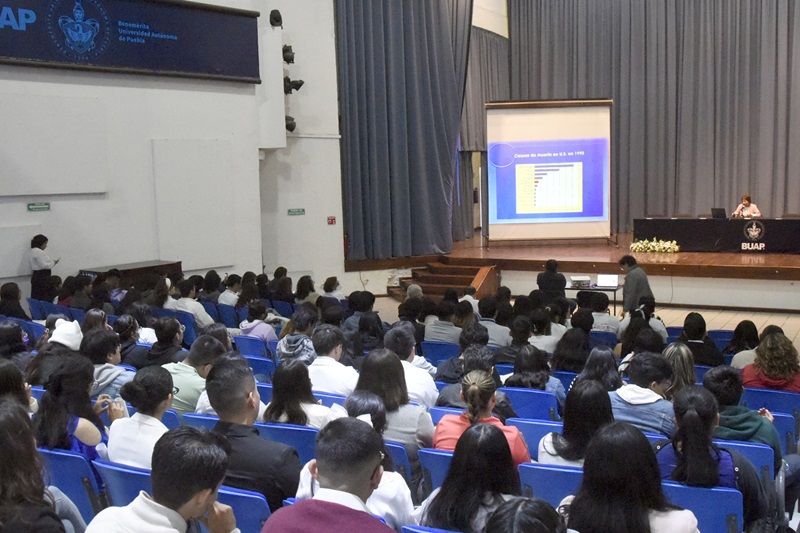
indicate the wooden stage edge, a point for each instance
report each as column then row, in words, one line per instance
column 593, row 256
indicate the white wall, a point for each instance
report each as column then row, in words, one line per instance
column 140, row 114
column 491, row 15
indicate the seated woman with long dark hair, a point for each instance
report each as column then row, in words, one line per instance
column 67, row 419
column 745, row 337
column 12, row 344
column 12, row 385
column 621, row 488
column 571, row 351
column 531, row 371
column 391, row 500
column 587, row 409
column 26, row 505
column 601, row 366
column 481, row 477
column 292, row 400
column 692, row 458
column 526, row 515
column 478, row 392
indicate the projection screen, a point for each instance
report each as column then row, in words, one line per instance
column 548, row 169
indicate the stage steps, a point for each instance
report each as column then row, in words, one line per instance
column 437, row 277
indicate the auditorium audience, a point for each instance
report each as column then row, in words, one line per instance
column 67, row 291
column 745, row 337
column 451, row 370
column 464, row 315
column 268, row 467
column 297, row 346
column 101, row 347
column 12, row 385
column 748, row 357
column 332, row 289
column 326, row 372
column 10, row 296
column 469, row 297
column 83, row 288
column 586, row 410
column 65, row 342
column 647, row 340
column 370, row 333
column 211, row 286
column 131, row 440
column 505, row 314
column 641, row 403
column 167, row 349
column 255, row 325
column 682, row 361
column 628, row 337
column 233, row 285
column 646, row 310
column 144, row 317
column 526, row 515
column 478, row 392
column 571, row 351
column 540, row 332
column 101, row 298
column 283, row 290
column 740, row 423
column 482, row 475
column 221, row 333
column 391, row 499
column 128, row 330
column 520, row 331
column 95, row 320
column 582, row 319
column 305, row 292
column 523, row 306
column 262, row 283
column 277, row 275
column 476, row 357
column 12, row 345
column 428, row 313
column 532, row 372
column 66, row 418
column 692, row 458
column 348, row 467
column 603, row 321
column 443, row 329
column 601, row 366
column 249, row 291
column 410, row 425
column 26, row 505
column 558, row 311
column 188, row 304
column 776, row 366
column 409, row 312
column 413, row 291
column 189, row 465
column 162, row 295
column 703, row 348
column 419, row 383
column 292, row 400
column 610, row 498
column 204, row 406
column 498, row 335
column 189, row 375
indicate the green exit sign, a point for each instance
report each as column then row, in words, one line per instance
column 296, row 212
column 39, row 206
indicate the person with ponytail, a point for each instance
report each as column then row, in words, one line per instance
column 131, row 440
column 478, row 390
column 66, row 418
column 692, row 458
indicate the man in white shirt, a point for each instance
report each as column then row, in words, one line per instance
column 190, row 305
column 603, row 321
column 348, row 466
column 189, row 376
column 420, row 385
column 233, row 285
column 326, row 372
column 189, row 465
column 469, row 296
column 499, row 336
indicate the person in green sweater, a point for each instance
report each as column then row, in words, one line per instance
column 743, row 424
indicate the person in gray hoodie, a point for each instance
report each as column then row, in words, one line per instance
column 102, row 348
column 298, row 346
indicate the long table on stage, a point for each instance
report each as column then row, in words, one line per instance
column 754, row 235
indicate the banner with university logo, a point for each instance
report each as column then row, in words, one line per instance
column 162, row 37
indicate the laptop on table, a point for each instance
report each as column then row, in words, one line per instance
column 607, row 281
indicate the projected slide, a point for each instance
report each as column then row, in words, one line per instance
column 548, row 181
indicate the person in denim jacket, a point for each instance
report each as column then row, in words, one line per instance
column 641, row 403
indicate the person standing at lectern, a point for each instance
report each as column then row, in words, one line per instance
column 41, row 265
column 636, row 284
column 747, row 209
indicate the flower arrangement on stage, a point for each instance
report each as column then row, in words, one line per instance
column 655, row 245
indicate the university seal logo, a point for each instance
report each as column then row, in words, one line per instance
column 754, row 230
column 82, row 32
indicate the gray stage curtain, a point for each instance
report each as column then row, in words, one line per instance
column 400, row 103
column 463, row 214
column 488, row 80
column 706, row 95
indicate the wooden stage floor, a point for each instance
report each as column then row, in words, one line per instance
column 598, row 256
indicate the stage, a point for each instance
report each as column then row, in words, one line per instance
column 724, row 280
